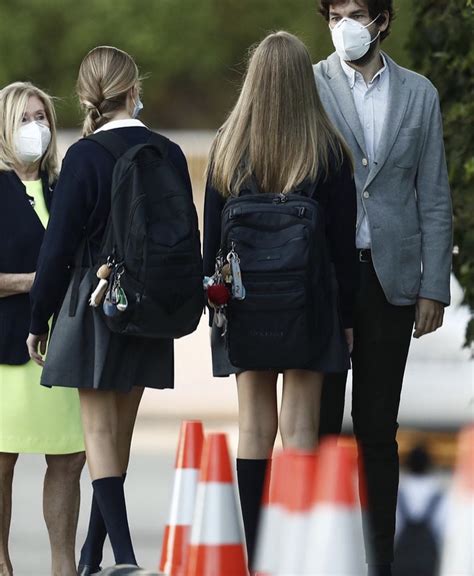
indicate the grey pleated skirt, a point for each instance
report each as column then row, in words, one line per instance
column 334, row 356
column 84, row 353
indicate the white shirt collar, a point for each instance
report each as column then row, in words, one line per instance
column 351, row 73
column 125, row 123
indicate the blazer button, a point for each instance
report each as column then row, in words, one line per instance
column 365, row 162
column 366, row 194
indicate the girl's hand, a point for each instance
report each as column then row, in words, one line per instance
column 35, row 342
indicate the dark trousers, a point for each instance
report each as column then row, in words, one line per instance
column 382, row 335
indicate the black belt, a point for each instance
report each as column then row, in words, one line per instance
column 365, row 255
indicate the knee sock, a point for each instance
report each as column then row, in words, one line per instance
column 251, row 480
column 109, row 494
column 92, row 549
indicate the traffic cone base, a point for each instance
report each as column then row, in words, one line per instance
column 217, row 560
column 175, row 544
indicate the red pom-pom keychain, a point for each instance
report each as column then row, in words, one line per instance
column 218, row 294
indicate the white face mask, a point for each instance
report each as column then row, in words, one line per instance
column 32, row 141
column 352, row 40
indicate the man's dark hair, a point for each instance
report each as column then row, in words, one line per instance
column 375, row 8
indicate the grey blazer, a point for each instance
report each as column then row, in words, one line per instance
column 406, row 191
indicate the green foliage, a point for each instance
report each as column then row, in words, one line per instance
column 192, row 51
column 442, row 48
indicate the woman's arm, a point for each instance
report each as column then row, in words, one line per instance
column 70, row 213
column 13, row 284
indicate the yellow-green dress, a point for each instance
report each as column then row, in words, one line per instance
column 33, row 418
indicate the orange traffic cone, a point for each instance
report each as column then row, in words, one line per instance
column 285, row 514
column 297, row 505
column 217, row 540
column 335, row 542
column 458, row 550
column 271, row 516
column 178, row 530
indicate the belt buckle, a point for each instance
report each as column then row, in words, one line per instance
column 364, row 255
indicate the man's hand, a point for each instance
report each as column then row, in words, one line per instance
column 428, row 317
column 349, row 332
column 34, row 342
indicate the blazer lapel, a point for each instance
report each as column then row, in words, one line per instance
column 342, row 93
column 399, row 95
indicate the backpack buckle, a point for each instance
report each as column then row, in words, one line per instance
column 281, row 198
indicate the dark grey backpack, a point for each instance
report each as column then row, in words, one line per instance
column 280, row 242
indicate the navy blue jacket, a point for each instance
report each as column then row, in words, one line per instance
column 21, row 234
column 81, row 207
column 337, row 194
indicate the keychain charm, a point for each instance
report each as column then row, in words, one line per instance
column 238, row 288
column 103, row 273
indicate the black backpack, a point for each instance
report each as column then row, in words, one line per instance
column 417, row 549
column 280, row 243
column 152, row 242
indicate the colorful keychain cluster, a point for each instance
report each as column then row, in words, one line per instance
column 224, row 284
column 109, row 291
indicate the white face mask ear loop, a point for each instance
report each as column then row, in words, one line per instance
column 374, row 20
column 373, row 40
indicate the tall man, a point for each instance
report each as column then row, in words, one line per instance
column 391, row 120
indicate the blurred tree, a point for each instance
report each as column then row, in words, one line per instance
column 442, row 48
column 192, row 51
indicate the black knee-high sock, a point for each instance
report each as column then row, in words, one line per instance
column 110, row 498
column 93, row 547
column 251, row 480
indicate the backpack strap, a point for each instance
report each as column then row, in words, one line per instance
column 402, row 505
column 161, row 142
column 430, row 510
column 432, row 506
column 111, row 141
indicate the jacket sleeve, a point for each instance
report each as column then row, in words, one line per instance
column 434, row 209
column 213, row 204
column 341, row 223
column 67, row 225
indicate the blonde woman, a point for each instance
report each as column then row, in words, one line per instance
column 277, row 140
column 32, row 419
column 109, row 369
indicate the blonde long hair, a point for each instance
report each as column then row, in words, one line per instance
column 13, row 103
column 278, row 130
column 106, row 76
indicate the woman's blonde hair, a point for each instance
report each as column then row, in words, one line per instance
column 13, row 103
column 278, row 131
column 106, row 76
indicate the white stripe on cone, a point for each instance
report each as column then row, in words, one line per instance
column 293, row 538
column 335, row 542
column 458, row 549
column 184, row 496
column 216, row 509
column 268, row 542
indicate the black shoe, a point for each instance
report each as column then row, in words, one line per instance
column 85, row 570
